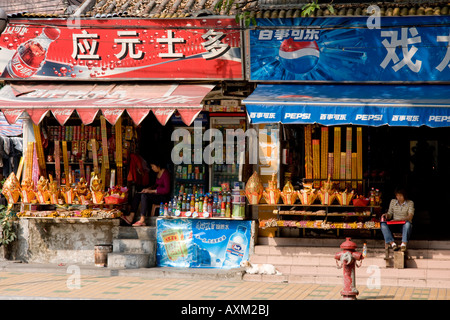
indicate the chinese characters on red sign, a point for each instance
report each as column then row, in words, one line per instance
column 185, row 49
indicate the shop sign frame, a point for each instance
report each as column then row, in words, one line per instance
column 131, row 49
column 349, row 49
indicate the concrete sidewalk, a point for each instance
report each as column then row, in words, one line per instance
column 36, row 281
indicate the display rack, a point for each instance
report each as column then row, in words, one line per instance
column 365, row 214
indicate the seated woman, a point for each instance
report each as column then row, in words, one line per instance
column 400, row 209
column 159, row 192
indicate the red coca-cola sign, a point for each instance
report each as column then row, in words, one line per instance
column 121, row 49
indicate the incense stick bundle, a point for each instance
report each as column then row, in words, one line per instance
column 354, row 170
column 342, row 169
column 359, row 162
column 316, row 162
column 119, row 162
column 57, row 163
column 337, row 153
column 29, row 161
column 324, row 153
column 105, row 161
column 40, row 150
column 348, row 155
column 94, row 155
column 66, row 162
column 308, row 152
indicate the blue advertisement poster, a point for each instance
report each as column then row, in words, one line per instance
column 202, row 243
column 351, row 49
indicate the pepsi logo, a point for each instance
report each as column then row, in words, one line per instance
column 299, row 56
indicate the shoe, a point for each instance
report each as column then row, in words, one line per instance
column 403, row 247
column 139, row 224
column 394, row 247
column 126, row 220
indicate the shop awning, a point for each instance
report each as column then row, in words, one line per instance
column 341, row 104
column 10, row 130
column 110, row 99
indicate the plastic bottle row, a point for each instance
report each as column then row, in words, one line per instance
column 210, row 205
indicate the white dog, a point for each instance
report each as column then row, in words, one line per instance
column 259, row 268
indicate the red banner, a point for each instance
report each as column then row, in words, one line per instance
column 175, row 49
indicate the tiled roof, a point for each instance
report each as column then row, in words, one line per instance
column 259, row 9
column 48, row 7
column 386, row 9
column 150, row 8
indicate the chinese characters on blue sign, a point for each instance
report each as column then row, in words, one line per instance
column 345, row 49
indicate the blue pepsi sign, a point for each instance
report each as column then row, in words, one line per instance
column 410, row 105
column 335, row 49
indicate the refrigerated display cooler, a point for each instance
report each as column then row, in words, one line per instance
column 224, row 173
column 190, row 178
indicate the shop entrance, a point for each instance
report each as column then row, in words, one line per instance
column 412, row 157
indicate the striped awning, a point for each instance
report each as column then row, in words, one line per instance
column 112, row 100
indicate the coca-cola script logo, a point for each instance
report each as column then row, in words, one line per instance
column 12, row 113
column 112, row 112
column 20, row 29
column 163, row 112
column 62, row 112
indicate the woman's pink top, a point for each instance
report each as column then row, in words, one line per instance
column 162, row 183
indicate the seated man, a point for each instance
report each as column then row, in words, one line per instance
column 402, row 210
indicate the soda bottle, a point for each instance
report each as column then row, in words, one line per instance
column 180, row 199
column 372, row 197
column 364, row 253
column 192, row 204
column 161, row 209
column 377, row 197
column 200, row 204
column 166, row 209
column 222, row 209
column 214, row 209
column 169, row 209
column 236, row 247
column 205, row 204
column 210, row 206
column 31, row 55
column 196, row 205
column 228, row 210
column 183, row 203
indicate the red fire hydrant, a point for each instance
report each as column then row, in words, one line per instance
column 347, row 259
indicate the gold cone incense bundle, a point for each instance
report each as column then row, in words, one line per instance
column 272, row 193
column 96, row 190
column 307, row 195
column 288, row 194
column 82, row 192
column 254, row 189
column 344, row 198
column 28, row 194
column 43, row 194
column 68, row 195
column 54, row 191
column 326, row 197
column 11, row 189
column 326, row 194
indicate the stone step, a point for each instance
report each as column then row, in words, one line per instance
column 335, row 243
column 371, row 252
column 131, row 260
column 143, row 233
column 328, row 260
column 134, row 246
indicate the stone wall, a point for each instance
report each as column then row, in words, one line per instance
column 61, row 240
